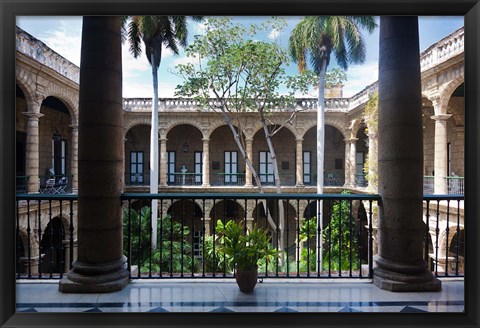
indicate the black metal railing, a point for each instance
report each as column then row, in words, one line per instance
column 455, row 185
column 228, row 179
column 361, row 180
column 45, row 235
column 187, row 243
column 444, row 241
column 184, row 179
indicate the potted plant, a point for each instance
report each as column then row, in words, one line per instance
column 245, row 247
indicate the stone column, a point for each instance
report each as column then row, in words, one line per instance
column 299, row 168
column 399, row 265
column 248, row 172
column 440, row 157
column 206, row 163
column 74, row 160
column 347, row 163
column 163, row 162
column 100, row 266
column 458, row 152
column 207, row 223
column 372, row 163
column 32, row 149
column 352, row 170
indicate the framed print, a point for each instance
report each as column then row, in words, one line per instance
column 44, row 141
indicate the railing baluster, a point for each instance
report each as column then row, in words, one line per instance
column 29, row 254
column 350, row 219
column 447, row 232
column 160, row 259
column 40, row 236
column 457, row 255
column 437, row 232
column 370, row 240
column 71, row 230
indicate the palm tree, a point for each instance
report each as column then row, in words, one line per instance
column 155, row 32
column 317, row 37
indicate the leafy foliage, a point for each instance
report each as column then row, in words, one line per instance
column 246, row 247
column 370, row 115
column 341, row 239
column 174, row 253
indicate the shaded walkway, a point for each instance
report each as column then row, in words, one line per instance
column 224, row 296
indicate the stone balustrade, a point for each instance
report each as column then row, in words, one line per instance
column 36, row 49
column 443, row 50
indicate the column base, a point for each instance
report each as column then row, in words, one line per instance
column 404, row 278
column 206, row 185
column 96, row 278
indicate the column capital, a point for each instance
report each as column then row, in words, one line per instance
column 372, row 135
column 351, row 140
column 441, row 117
column 298, row 140
column 73, row 126
column 248, row 139
column 33, row 115
column 205, row 139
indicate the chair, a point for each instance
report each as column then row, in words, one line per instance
column 62, row 185
column 49, row 186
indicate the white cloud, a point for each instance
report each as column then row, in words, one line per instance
column 64, row 41
column 359, row 77
column 274, row 34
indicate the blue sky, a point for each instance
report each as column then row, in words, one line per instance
column 63, row 35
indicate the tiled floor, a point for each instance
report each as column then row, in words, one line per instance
column 224, row 296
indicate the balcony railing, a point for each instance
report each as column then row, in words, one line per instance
column 428, row 184
column 361, row 180
column 186, row 235
column 184, row 179
column 455, row 185
column 228, row 179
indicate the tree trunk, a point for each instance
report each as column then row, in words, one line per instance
column 278, row 188
column 154, row 150
column 241, row 148
column 320, row 159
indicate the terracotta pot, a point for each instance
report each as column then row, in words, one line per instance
column 246, row 280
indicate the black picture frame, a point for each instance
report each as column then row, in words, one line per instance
column 9, row 9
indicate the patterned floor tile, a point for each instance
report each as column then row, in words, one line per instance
column 411, row 309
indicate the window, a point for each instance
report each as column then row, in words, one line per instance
column 307, row 168
column 59, row 156
column 359, row 161
column 231, row 167
column 170, row 167
column 266, row 167
column 136, row 167
column 198, row 167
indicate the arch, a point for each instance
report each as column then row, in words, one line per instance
column 131, row 122
column 51, row 247
column 226, row 210
column 184, row 120
column 447, row 92
column 290, row 231
column 67, row 98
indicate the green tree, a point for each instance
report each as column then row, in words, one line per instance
column 316, row 38
column 370, row 115
column 155, row 32
column 342, row 251
column 175, row 252
column 243, row 75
